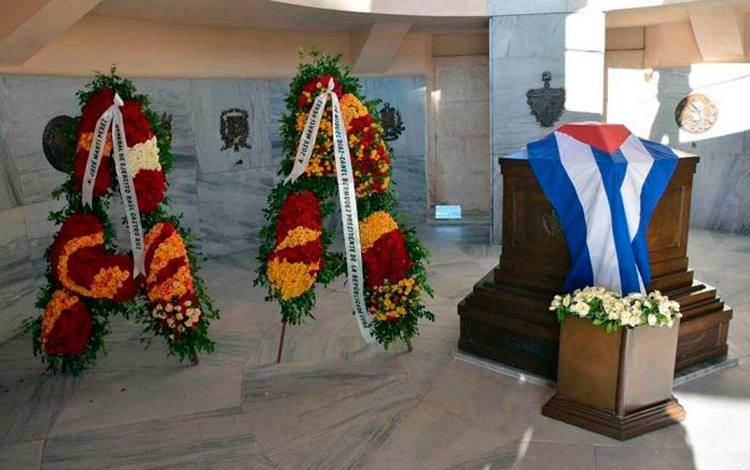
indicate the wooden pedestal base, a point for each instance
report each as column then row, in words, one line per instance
column 515, row 327
column 611, row 424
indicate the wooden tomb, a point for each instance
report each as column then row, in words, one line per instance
column 506, row 317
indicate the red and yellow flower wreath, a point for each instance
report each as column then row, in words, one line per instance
column 294, row 253
column 87, row 280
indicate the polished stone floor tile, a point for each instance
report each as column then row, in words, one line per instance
column 21, row 456
column 129, row 396
column 326, row 416
column 429, row 439
column 222, row 439
column 615, row 458
column 335, row 402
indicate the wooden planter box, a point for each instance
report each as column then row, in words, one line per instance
column 617, row 384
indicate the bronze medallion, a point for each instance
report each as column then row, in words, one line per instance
column 58, row 141
column 547, row 104
column 235, row 129
column 393, row 124
column 696, row 114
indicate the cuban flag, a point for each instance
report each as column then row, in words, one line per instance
column 604, row 183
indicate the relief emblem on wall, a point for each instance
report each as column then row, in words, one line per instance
column 235, row 129
column 696, row 114
column 58, row 142
column 393, row 124
column 547, row 104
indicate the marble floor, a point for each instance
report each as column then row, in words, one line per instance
column 334, row 403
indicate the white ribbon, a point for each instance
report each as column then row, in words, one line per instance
column 112, row 117
column 347, row 197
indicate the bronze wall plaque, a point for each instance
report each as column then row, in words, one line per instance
column 696, row 114
column 58, row 145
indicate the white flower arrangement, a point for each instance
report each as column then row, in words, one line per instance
column 611, row 311
column 143, row 156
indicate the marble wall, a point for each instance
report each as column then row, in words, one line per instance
column 220, row 193
column 523, row 46
column 721, row 199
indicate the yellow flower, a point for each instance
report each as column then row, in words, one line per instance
column 291, row 279
column 298, row 236
column 375, row 226
column 60, row 302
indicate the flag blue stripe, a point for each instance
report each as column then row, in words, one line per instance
column 665, row 162
column 544, row 159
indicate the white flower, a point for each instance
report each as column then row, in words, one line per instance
column 143, row 156
column 566, row 301
column 581, row 308
column 651, row 319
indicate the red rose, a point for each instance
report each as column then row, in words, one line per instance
column 309, row 253
column 312, row 88
column 137, row 127
column 386, row 259
column 97, row 103
column 70, row 332
column 150, row 187
column 298, row 210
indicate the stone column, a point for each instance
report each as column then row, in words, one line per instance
column 528, row 38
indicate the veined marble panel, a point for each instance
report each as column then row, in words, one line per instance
column 410, row 185
column 40, row 231
column 183, row 200
column 36, row 176
column 16, row 278
column 231, row 208
column 524, row 36
column 209, row 98
column 8, row 188
column 721, row 200
column 277, row 90
column 32, row 101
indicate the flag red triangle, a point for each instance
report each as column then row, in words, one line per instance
column 605, row 137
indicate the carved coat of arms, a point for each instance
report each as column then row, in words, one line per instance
column 393, row 124
column 235, row 129
column 547, row 104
